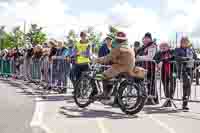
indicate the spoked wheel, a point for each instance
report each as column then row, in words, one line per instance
column 82, row 92
column 130, row 99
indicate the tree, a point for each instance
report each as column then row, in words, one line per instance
column 2, row 35
column 90, row 29
column 72, row 36
column 36, row 35
column 13, row 39
column 18, row 37
column 8, row 41
column 94, row 38
column 113, row 31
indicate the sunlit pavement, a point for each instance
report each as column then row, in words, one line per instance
column 59, row 114
column 16, row 110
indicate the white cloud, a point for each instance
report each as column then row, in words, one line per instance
column 134, row 21
column 49, row 14
column 4, row 5
column 181, row 15
column 174, row 15
column 52, row 16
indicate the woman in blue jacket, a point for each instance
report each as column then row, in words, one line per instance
column 185, row 58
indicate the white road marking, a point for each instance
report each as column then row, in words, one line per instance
column 37, row 121
column 38, row 114
column 45, row 128
column 162, row 124
column 100, row 123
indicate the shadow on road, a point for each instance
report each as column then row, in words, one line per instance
column 36, row 91
column 185, row 116
column 55, row 98
column 179, row 113
column 14, row 84
column 27, row 93
column 91, row 113
column 159, row 110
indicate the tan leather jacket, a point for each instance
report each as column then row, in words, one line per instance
column 124, row 57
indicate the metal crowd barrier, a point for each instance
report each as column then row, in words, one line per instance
column 10, row 68
column 16, row 68
column 168, row 83
column 162, row 84
column 45, row 66
column 6, row 69
column 55, row 74
column 35, row 70
column 59, row 72
column 151, row 76
column 174, row 76
column 197, row 72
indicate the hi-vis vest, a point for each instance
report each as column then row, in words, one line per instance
column 82, row 47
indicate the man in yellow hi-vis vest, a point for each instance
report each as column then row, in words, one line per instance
column 82, row 54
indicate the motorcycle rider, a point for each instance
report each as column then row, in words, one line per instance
column 122, row 58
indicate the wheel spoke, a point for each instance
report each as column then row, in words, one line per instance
column 84, row 90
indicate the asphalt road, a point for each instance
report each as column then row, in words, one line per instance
column 16, row 109
column 26, row 112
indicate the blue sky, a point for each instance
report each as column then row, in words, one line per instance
column 78, row 6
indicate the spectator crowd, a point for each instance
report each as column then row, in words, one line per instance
column 71, row 60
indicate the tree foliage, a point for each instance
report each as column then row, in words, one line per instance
column 2, row 35
column 12, row 39
column 8, row 41
column 36, row 35
column 18, row 37
column 71, row 37
column 95, row 38
column 113, row 31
